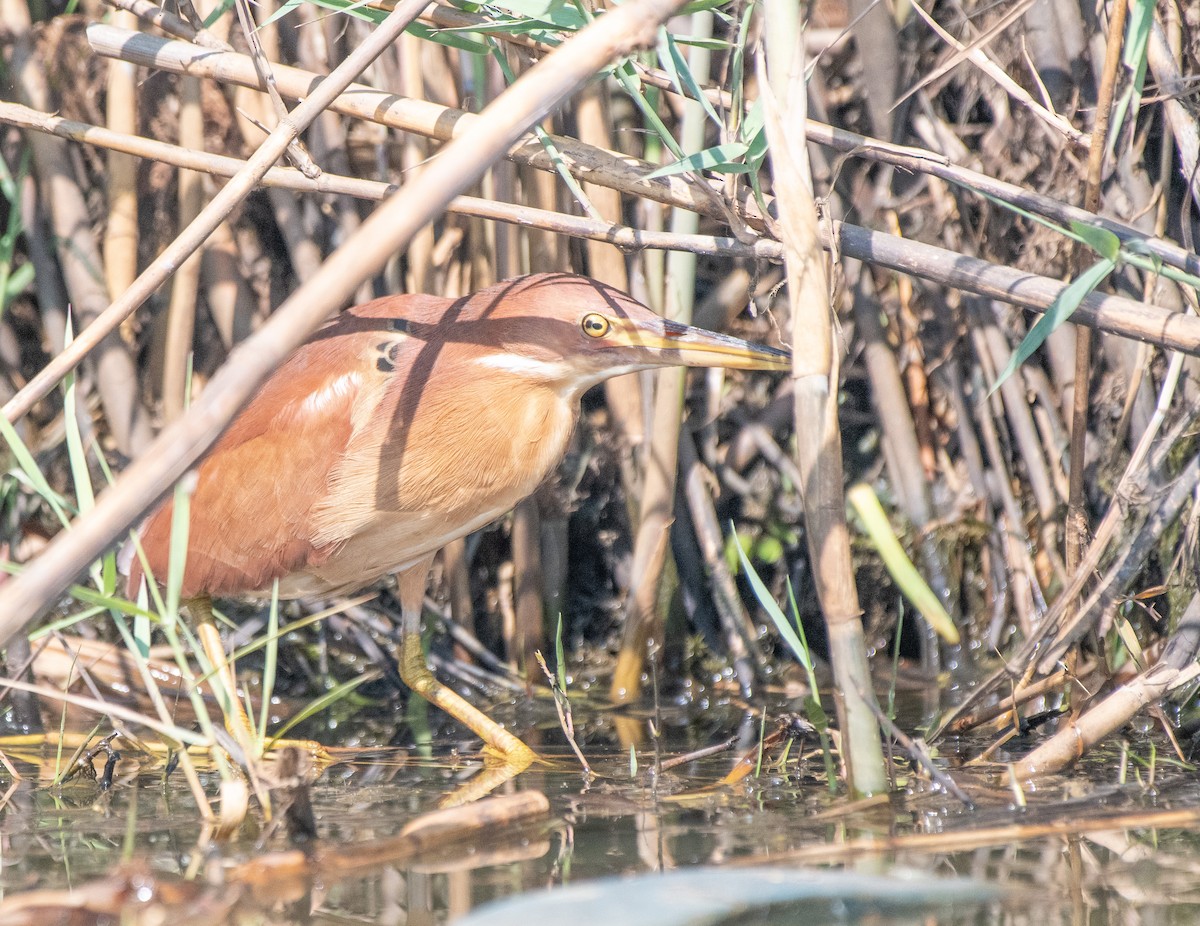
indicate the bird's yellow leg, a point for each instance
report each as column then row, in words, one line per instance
column 515, row 755
column 237, row 722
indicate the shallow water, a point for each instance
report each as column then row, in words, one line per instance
column 1054, row 861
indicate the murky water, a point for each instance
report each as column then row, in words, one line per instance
column 1055, row 861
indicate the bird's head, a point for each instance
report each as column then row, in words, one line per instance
column 575, row 330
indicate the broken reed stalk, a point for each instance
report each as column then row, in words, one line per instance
column 815, row 383
column 606, row 263
column 120, row 249
column 1143, row 480
column 1175, row 668
column 185, row 285
column 386, row 232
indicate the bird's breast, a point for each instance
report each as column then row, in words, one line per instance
column 433, row 462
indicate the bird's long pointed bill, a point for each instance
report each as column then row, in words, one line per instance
column 696, row 347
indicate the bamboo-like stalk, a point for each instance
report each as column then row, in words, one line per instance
column 1141, row 321
column 230, row 302
column 815, row 385
column 1077, row 520
column 908, row 158
column 181, row 313
column 1180, row 120
column 643, row 618
column 1116, row 314
column 901, row 449
column 103, row 323
column 620, row 172
column 413, row 154
column 606, row 263
column 1176, row 667
column 80, row 258
column 604, row 167
column 743, row 651
column 121, row 231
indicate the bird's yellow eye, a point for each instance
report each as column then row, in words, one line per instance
column 595, row 326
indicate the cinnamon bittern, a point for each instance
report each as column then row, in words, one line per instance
column 404, row 424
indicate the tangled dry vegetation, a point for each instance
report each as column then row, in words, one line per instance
column 962, row 155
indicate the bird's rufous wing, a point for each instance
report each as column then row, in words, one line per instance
column 255, row 491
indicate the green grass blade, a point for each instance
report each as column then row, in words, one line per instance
column 76, row 455
column 32, row 473
column 723, row 159
column 879, row 531
column 1133, row 59
column 782, row 624
column 270, row 662
column 328, row 699
column 560, row 659
column 675, row 64
column 177, row 559
column 1058, row 312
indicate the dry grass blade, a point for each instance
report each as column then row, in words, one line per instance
column 977, row 56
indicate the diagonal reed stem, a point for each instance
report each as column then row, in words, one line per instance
column 387, row 231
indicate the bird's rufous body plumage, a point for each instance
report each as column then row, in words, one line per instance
column 404, row 424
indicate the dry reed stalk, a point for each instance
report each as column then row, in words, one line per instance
column 120, row 247
column 902, row 450
column 185, row 285
column 643, row 611
column 1182, row 124
column 617, row 172
column 529, row 605
column 815, row 387
column 1077, row 520
column 1175, row 668
column 909, row 158
column 100, row 324
column 80, row 262
column 606, row 263
column 643, row 617
column 1140, row 321
column 1063, row 625
column 414, row 152
column 230, row 301
column 741, row 646
column 978, row 837
column 620, row 172
column 1052, row 121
